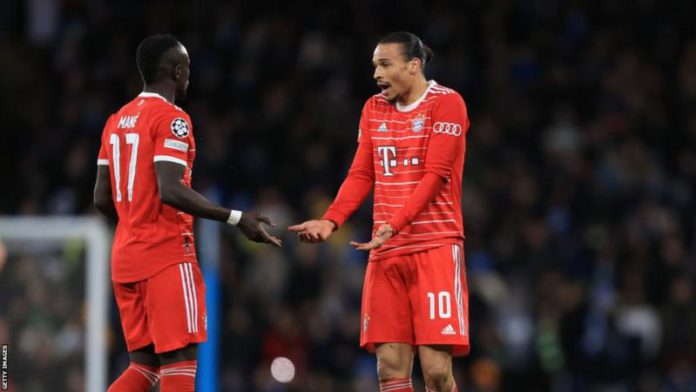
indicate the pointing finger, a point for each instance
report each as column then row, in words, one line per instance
column 299, row 227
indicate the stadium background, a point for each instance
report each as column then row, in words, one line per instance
column 578, row 195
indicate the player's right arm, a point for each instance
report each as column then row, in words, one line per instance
column 351, row 194
column 103, row 199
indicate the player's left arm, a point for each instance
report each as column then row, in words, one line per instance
column 102, row 193
column 447, row 141
column 173, row 140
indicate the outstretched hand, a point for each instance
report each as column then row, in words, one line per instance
column 251, row 225
column 314, row 231
column 382, row 234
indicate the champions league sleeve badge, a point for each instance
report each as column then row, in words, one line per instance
column 180, row 127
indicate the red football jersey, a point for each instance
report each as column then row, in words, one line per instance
column 398, row 145
column 150, row 236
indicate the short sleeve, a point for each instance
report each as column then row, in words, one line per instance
column 103, row 158
column 448, row 135
column 173, row 137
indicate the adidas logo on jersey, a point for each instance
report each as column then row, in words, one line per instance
column 382, row 128
column 448, row 330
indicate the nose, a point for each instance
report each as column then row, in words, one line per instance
column 378, row 74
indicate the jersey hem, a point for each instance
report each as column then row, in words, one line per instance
column 429, row 245
column 132, row 278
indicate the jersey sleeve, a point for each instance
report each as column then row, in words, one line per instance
column 448, row 136
column 360, row 178
column 103, row 158
column 363, row 128
column 173, row 137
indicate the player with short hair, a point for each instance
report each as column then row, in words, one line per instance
column 144, row 184
column 411, row 147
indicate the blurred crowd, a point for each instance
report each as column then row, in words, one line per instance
column 42, row 316
column 579, row 181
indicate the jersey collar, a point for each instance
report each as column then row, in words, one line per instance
column 413, row 105
column 151, row 95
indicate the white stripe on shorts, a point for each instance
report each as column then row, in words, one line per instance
column 194, row 297
column 184, row 284
column 458, row 288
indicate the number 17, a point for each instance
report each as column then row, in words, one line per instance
column 115, row 141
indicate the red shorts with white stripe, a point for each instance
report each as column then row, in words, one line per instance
column 419, row 299
column 167, row 309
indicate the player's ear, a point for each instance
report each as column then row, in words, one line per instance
column 177, row 72
column 413, row 66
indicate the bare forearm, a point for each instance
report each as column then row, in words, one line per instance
column 191, row 202
column 108, row 210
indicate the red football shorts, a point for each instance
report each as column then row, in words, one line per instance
column 419, row 299
column 168, row 309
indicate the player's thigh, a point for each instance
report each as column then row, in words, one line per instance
column 386, row 312
column 439, row 298
column 176, row 307
column 132, row 308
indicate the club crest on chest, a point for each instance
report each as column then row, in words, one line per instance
column 417, row 124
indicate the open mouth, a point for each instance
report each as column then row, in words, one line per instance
column 384, row 86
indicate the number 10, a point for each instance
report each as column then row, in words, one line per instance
column 444, row 304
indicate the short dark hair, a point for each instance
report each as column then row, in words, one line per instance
column 150, row 52
column 411, row 46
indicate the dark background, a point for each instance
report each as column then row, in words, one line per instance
column 579, row 181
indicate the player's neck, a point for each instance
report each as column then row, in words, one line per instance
column 158, row 88
column 416, row 91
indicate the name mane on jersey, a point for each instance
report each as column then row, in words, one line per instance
column 127, row 122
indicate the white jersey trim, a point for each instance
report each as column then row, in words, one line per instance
column 411, row 106
column 152, row 95
column 103, row 162
column 427, row 234
column 389, row 205
column 397, row 183
column 167, row 158
column 433, row 221
column 397, row 247
column 398, row 138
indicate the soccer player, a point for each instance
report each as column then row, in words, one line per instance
column 411, row 145
column 144, row 184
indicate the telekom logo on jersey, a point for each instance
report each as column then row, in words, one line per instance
column 388, row 159
column 388, row 155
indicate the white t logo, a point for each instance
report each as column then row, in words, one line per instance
column 388, row 155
